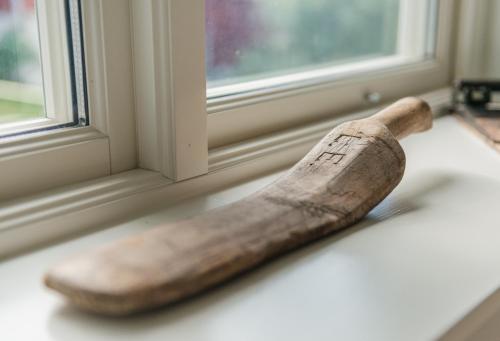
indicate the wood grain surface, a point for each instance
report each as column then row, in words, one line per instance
column 485, row 124
column 335, row 185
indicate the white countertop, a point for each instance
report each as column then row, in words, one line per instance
column 420, row 262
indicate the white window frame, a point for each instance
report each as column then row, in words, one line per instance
column 162, row 41
column 30, row 163
column 169, row 71
column 152, row 128
column 169, row 45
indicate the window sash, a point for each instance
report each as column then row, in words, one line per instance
column 30, row 163
column 170, row 89
column 414, row 44
column 236, row 118
column 171, row 103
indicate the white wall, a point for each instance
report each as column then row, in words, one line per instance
column 478, row 48
column 492, row 65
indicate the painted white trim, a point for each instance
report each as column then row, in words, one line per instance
column 10, row 147
column 149, row 84
column 41, row 161
column 78, row 197
column 413, row 27
column 169, row 70
column 23, row 126
column 308, row 135
column 226, row 97
column 108, row 52
column 339, row 77
column 259, row 117
column 66, row 211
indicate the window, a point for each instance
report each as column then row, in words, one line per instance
column 67, row 94
column 260, row 54
column 139, row 69
column 42, row 73
column 248, row 40
column 285, row 41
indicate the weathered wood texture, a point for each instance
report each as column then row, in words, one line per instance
column 343, row 177
column 486, row 124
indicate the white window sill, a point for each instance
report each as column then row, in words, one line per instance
column 418, row 264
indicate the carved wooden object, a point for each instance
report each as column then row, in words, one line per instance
column 335, row 185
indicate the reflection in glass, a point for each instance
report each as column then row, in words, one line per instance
column 252, row 39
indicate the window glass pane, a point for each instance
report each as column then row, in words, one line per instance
column 248, row 40
column 21, row 92
column 42, row 73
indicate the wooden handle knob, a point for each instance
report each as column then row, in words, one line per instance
column 406, row 116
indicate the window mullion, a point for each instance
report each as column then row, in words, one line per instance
column 108, row 55
column 169, row 67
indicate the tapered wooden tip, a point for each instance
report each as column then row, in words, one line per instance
column 405, row 117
